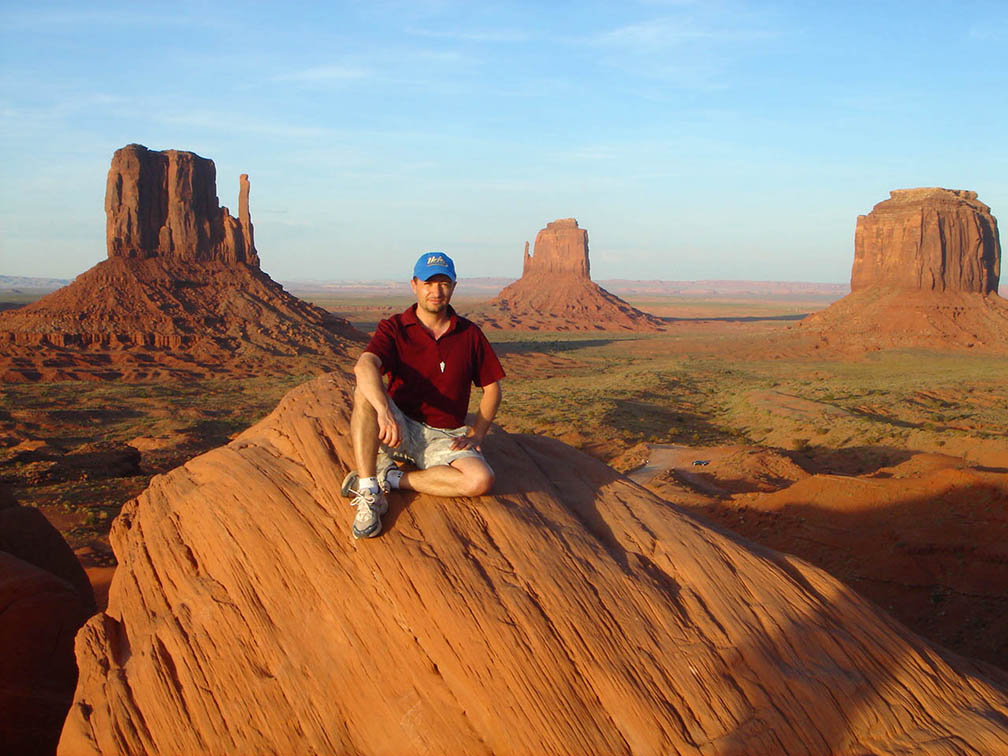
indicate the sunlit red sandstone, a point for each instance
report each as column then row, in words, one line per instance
column 928, row 239
column 164, row 204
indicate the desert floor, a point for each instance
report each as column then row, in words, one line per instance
column 889, row 469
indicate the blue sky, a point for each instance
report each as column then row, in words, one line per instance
column 694, row 140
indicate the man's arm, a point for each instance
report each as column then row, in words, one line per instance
column 372, row 387
column 484, row 417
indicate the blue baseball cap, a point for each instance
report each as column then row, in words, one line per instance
column 433, row 264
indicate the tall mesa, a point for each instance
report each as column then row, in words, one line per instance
column 929, row 239
column 560, row 248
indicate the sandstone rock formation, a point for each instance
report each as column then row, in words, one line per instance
column 556, row 293
column 926, row 270
column 570, row 612
column 561, row 249
column 164, row 204
column 927, row 239
column 45, row 597
column 181, row 293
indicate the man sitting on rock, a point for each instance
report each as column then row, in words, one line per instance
column 432, row 358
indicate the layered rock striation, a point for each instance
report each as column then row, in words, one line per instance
column 926, row 269
column 181, row 293
column 571, row 611
column 556, row 293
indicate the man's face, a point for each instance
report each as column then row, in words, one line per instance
column 434, row 294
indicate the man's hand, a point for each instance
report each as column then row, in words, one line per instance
column 389, row 432
column 469, row 441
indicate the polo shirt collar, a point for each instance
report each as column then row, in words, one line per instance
column 410, row 318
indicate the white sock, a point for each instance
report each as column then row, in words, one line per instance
column 393, row 477
column 368, row 484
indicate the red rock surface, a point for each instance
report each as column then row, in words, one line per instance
column 572, row 611
column 933, row 544
column 45, row 597
column 181, row 294
column 928, row 239
column 556, row 293
column 925, row 274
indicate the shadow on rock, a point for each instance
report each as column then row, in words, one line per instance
column 850, row 460
column 930, row 548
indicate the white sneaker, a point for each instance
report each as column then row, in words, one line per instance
column 371, row 505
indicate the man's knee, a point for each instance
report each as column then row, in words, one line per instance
column 477, row 480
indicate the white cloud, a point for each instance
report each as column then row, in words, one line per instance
column 44, row 19
column 655, row 34
column 690, row 46
column 661, row 34
column 503, row 36
column 992, row 31
column 31, row 120
column 327, row 74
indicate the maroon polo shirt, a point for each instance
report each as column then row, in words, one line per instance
column 430, row 380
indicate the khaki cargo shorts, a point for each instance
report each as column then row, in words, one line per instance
column 422, row 446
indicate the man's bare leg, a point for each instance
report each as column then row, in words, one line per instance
column 364, row 436
column 361, row 485
column 469, row 476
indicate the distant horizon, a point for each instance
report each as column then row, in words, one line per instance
column 63, row 280
column 729, row 139
column 617, row 285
